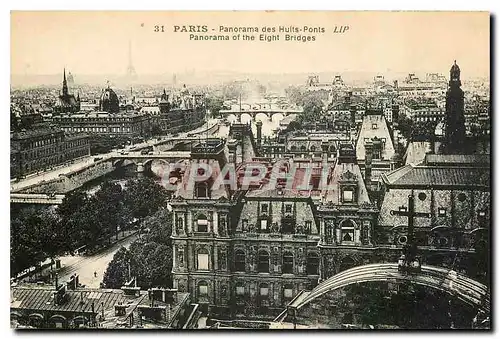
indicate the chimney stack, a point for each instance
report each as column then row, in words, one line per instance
column 232, row 145
column 259, row 132
column 368, row 164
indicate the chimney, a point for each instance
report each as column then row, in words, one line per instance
column 368, row 164
column 259, row 132
column 231, row 145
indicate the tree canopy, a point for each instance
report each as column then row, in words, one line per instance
column 150, row 257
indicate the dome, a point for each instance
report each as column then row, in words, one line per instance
column 109, row 101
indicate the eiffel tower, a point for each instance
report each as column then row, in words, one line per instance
column 131, row 74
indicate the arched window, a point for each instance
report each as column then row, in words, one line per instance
column 203, row 259
column 287, row 262
column 347, row 235
column 313, row 148
column 202, row 223
column 239, row 261
column 263, row 261
column 312, row 263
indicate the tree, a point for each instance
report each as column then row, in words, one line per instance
column 144, row 197
column 160, row 227
column 116, row 274
column 214, row 105
column 313, row 107
column 150, row 257
column 34, row 237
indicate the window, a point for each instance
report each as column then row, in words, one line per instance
column 288, row 208
column 422, row 196
column 287, row 225
column 244, row 224
column 264, row 290
column 239, row 261
column 347, row 231
column 312, row 263
column 288, row 292
column 374, row 126
column 462, row 197
column 481, row 213
column 442, row 212
column 202, row 189
column 313, row 148
column 263, row 262
column 402, row 239
column 263, row 225
column 348, row 195
column 264, row 208
column 202, row 289
column 308, row 227
column 287, row 262
column 240, row 290
column 202, row 223
column 203, row 259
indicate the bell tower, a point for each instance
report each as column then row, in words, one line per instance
column 455, row 119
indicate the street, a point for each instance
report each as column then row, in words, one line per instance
column 85, row 266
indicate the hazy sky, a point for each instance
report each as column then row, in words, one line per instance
column 97, row 42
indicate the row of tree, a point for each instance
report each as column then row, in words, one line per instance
column 149, row 259
column 82, row 220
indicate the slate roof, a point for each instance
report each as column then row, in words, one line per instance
column 41, row 299
column 439, row 176
column 368, row 132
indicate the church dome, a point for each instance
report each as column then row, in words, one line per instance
column 109, row 101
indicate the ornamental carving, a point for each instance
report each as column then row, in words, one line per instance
column 348, row 176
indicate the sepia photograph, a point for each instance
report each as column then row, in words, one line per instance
column 250, row 170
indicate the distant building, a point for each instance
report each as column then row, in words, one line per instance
column 44, row 147
column 109, row 120
column 66, row 103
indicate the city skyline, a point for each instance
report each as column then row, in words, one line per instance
column 382, row 43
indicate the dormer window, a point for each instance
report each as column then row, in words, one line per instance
column 374, row 126
column 202, row 190
column 264, row 208
column 348, row 195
